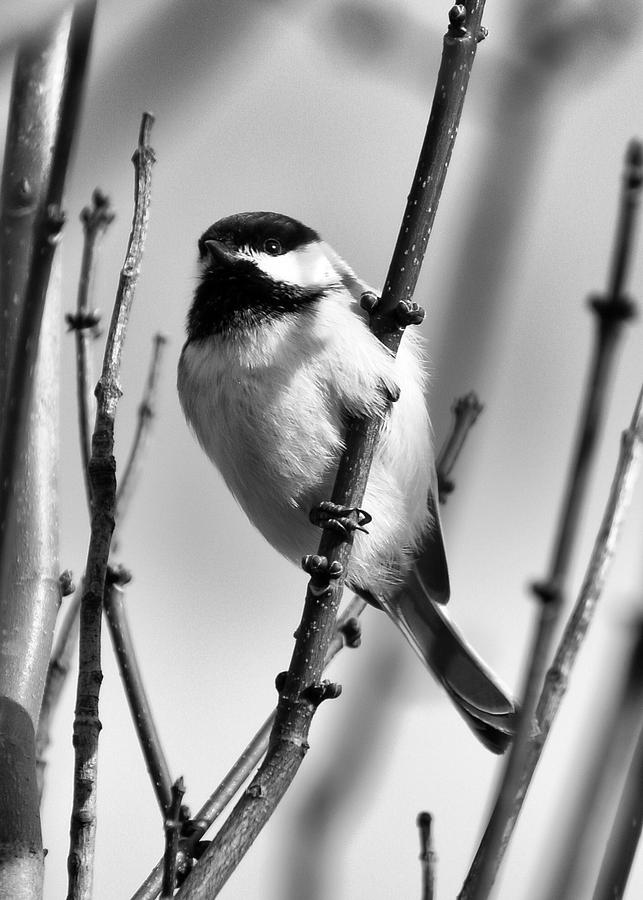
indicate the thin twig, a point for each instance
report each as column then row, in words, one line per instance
column 146, row 413
column 347, row 634
column 559, row 673
column 48, row 225
column 611, row 312
column 427, row 855
column 301, row 689
column 608, row 757
column 57, row 671
column 103, row 492
column 172, row 834
column 148, row 737
column 465, row 412
column 96, row 219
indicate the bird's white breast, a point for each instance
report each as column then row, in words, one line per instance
column 268, row 407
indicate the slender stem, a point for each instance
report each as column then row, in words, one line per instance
column 103, row 491
column 146, row 413
column 57, row 672
column 602, row 771
column 427, row 855
column 559, row 673
column 130, row 672
column 172, row 834
column 465, row 411
column 301, row 690
column 346, row 635
column 96, row 219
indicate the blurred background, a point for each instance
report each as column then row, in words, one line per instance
column 318, row 109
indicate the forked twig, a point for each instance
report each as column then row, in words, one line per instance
column 301, row 689
column 611, row 312
column 172, row 834
column 346, row 635
column 103, row 493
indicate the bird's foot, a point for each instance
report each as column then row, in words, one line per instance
column 342, row 519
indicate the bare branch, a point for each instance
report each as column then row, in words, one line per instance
column 558, row 675
column 41, row 106
column 49, row 222
column 103, row 492
column 84, row 322
column 140, row 709
column 301, row 689
column 465, row 414
column 146, row 413
column 611, row 312
column 57, row 671
column 608, row 757
column 626, row 829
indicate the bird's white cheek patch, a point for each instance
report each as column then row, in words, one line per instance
column 307, row 267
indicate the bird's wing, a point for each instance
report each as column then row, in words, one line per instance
column 474, row 689
column 431, row 566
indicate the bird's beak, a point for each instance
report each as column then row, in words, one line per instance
column 220, row 254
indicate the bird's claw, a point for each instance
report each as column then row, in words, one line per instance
column 342, row 519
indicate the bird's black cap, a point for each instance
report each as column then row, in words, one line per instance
column 253, row 229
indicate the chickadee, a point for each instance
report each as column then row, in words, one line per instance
column 278, row 353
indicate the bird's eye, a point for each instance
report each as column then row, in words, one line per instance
column 272, row 246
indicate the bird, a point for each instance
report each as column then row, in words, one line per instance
column 278, row 355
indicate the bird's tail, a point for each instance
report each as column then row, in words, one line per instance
column 476, row 692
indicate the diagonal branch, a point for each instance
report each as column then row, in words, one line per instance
column 559, row 673
column 146, row 413
column 346, row 635
column 301, row 689
column 103, row 493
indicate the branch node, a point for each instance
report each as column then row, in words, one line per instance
column 633, row 175
column 118, row 575
column 67, row 585
column 369, row 301
column 352, row 632
column 54, row 223
column 82, row 321
column 323, row 690
column 99, row 215
column 280, row 681
column 612, row 310
column 254, row 791
column 548, row 592
column 481, row 34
